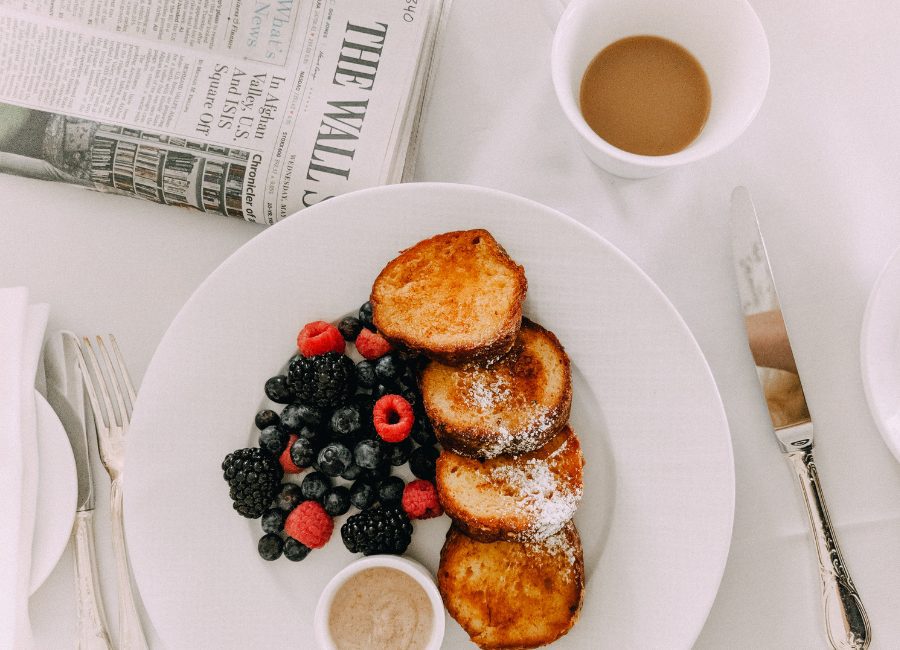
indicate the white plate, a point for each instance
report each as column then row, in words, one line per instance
column 660, row 476
column 57, row 493
column 880, row 353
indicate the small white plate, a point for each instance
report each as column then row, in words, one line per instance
column 880, row 353
column 57, row 493
column 657, row 515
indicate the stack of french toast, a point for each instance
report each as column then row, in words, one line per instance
column 497, row 388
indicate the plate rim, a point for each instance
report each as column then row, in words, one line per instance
column 889, row 273
column 722, row 425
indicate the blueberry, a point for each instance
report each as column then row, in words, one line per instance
column 422, row 432
column 270, row 546
column 313, row 434
column 398, row 452
column 273, row 439
column 346, row 420
column 391, row 490
column 365, row 314
column 295, row 416
column 266, row 418
column 288, row 497
column 294, row 550
column 336, row 501
column 388, row 368
column 349, row 327
column 365, row 374
column 368, row 454
column 272, row 521
column 381, row 471
column 421, row 462
column 302, row 452
column 352, row 473
column 314, row 486
column 407, row 392
column 334, row 458
column 278, row 391
column 381, row 390
column 363, row 493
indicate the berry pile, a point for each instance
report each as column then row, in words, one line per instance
column 344, row 427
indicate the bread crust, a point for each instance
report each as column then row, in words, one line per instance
column 439, row 297
column 514, row 498
column 509, row 595
column 511, row 405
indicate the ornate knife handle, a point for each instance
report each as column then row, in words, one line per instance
column 92, row 630
column 846, row 622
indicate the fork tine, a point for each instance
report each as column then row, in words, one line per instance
column 123, row 369
column 100, row 385
column 123, row 411
column 89, row 383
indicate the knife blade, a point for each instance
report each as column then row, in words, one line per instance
column 66, row 396
column 846, row 621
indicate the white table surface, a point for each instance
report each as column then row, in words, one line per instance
column 821, row 161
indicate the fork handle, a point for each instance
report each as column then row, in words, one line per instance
column 131, row 633
column 92, row 629
column 846, row 622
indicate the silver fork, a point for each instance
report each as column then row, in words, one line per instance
column 112, row 398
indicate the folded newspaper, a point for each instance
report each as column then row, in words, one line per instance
column 246, row 108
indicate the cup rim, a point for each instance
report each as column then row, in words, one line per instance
column 686, row 155
column 413, row 569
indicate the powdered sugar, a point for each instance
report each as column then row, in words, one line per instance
column 545, row 500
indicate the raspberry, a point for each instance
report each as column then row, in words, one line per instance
column 420, row 500
column 393, row 417
column 319, row 337
column 309, row 524
column 287, row 463
column 372, row 344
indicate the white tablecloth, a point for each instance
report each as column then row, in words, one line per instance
column 821, row 160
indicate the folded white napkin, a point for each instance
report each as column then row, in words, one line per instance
column 22, row 329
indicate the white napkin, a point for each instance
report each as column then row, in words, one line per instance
column 22, row 329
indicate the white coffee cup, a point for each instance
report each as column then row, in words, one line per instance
column 725, row 36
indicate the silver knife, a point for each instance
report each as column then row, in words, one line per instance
column 65, row 395
column 846, row 622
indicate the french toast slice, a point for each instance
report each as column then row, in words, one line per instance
column 454, row 297
column 513, row 594
column 512, row 405
column 513, row 498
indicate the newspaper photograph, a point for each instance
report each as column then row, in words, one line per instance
column 252, row 109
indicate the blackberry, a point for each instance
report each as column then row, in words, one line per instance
column 363, row 493
column 272, row 521
column 278, row 389
column 324, row 381
column 336, row 501
column 270, row 546
column 303, row 452
column 288, row 497
column 253, row 474
column 377, row 530
column 273, row 439
column 391, row 490
column 365, row 374
column 266, row 418
column 294, row 550
column 365, row 314
column 422, row 462
column 334, row 458
column 314, row 486
column 349, row 327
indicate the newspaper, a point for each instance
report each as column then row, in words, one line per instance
column 246, row 108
